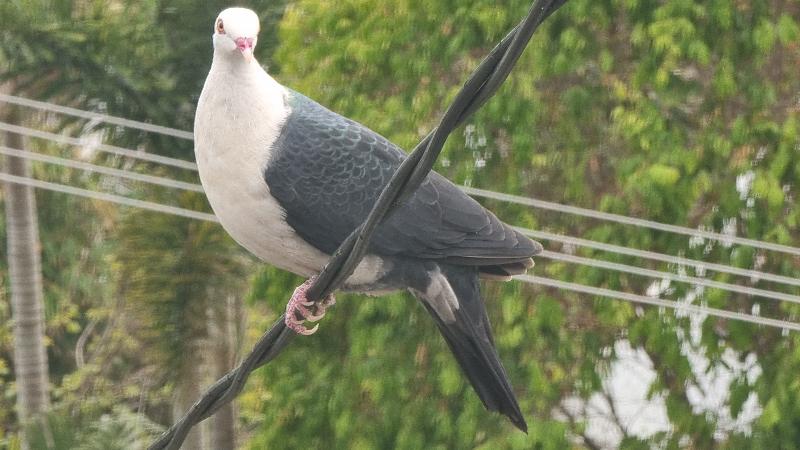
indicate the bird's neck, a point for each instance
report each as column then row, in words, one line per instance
column 242, row 102
column 233, row 64
column 244, row 85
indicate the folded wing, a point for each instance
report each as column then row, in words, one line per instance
column 327, row 171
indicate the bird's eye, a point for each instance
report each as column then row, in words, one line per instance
column 220, row 27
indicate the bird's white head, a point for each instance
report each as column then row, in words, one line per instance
column 236, row 33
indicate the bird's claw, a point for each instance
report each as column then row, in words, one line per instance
column 299, row 304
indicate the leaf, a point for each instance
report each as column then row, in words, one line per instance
column 663, row 175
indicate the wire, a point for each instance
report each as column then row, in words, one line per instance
column 166, row 209
column 630, row 220
column 157, row 207
column 701, row 265
column 102, row 147
column 532, row 233
column 536, row 234
column 546, row 254
column 670, row 276
column 277, row 337
column 503, row 197
column 527, row 201
column 45, row 106
column 161, row 181
column 532, row 279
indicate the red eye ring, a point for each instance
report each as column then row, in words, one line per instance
column 220, row 27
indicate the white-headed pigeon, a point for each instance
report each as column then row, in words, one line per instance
column 290, row 179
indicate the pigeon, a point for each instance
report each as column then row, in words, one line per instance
column 290, row 179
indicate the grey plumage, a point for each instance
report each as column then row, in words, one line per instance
column 290, row 179
column 467, row 331
column 327, row 171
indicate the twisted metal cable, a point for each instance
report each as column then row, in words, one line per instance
column 481, row 85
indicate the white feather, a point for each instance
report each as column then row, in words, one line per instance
column 239, row 116
column 440, row 296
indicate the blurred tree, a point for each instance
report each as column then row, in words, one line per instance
column 171, row 285
column 25, row 279
column 642, row 108
column 117, row 57
column 677, row 111
column 54, row 50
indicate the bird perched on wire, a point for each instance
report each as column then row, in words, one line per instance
column 290, row 180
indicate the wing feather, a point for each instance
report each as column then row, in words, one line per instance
column 327, row 171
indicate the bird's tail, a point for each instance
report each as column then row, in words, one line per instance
column 452, row 296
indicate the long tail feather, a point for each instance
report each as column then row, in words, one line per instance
column 453, row 299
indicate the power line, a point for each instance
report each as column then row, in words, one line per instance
column 532, row 233
column 546, row 254
column 527, row 201
column 166, row 209
column 144, row 126
column 144, row 156
column 634, row 298
column 626, row 220
column 157, row 207
column 645, row 254
column 670, row 276
column 161, row 181
column 472, row 191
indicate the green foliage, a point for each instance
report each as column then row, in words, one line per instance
column 171, row 269
column 119, row 430
column 640, row 107
column 115, row 57
column 643, row 108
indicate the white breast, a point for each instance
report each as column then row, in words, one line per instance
column 239, row 116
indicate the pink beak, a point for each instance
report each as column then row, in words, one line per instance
column 245, row 45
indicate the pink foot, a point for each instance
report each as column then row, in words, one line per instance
column 299, row 304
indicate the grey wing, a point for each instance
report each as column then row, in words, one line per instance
column 327, row 171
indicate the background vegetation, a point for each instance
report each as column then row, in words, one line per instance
column 676, row 111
